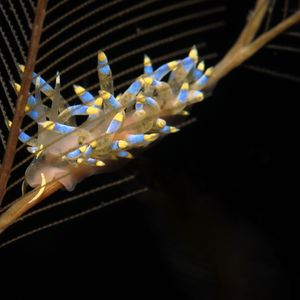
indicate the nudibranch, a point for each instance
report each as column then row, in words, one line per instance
column 114, row 125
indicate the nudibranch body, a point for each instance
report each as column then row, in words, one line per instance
column 69, row 152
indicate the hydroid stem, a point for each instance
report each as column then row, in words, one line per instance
column 9, row 154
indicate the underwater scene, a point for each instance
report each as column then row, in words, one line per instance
column 152, row 143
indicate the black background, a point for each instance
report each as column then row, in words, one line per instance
column 220, row 220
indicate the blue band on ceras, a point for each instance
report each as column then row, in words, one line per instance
column 85, row 96
column 129, row 95
column 73, row 154
column 195, row 96
column 36, row 150
column 185, row 66
column 148, row 69
column 124, row 154
column 88, row 150
column 95, row 162
column 134, row 88
column 134, row 139
column 105, row 70
column 147, row 111
column 139, row 106
column 31, row 104
column 82, row 110
column 168, row 129
column 165, row 69
column 23, row 137
column 189, row 62
column 39, row 107
column 109, row 100
column 118, row 145
column 183, row 93
column 90, row 161
column 141, row 100
column 151, row 103
column 44, row 86
column 202, row 81
column 116, row 123
column 198, row 72
column 57, row 127
column 104, row 73
column 84, row 151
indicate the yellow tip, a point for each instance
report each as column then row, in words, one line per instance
column 101, row 56
column 122, row 144
column 9, row 123
column 119, row 117
column 21, row 67
column 92, row 110
column 161, row 123
column 148, row 80
column 78, row 89
column 173, row 129
column 151, row 137
column 209, row 71
column 173, row 64
column 80, row 160
column 194, row 54
column 100, row 163
column 201, row 66
column 185, row 86
column 129, row 155
column 93, row 144
column 140, row 98
column 27, row 108
column 99, row 101
column 82, row 148
column 200, row 97
column 147, row 61
column 105, row 95
column 185, row 113
column 49, row 125
column 17, row 87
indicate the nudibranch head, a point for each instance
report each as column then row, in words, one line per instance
column 68, row 152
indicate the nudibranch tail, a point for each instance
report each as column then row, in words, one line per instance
column 70, row 151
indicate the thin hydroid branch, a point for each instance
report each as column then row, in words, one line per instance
column 248, row 44
column 9, row 154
